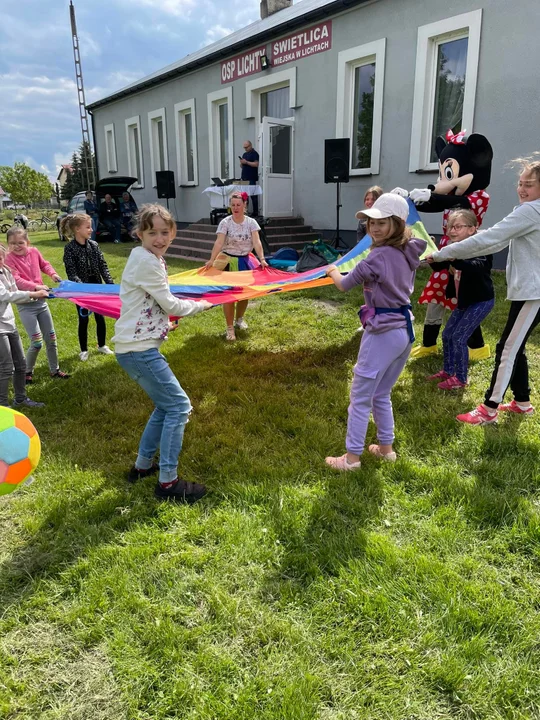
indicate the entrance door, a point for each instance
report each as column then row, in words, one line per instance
column 277, row 175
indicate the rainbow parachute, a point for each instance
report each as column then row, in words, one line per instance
column 220, row 287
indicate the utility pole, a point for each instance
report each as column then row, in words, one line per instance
column 87, row 160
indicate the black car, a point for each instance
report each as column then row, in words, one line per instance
column 113, row 186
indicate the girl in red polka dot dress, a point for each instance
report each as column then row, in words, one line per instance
column 464, row 173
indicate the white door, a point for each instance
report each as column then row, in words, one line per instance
column 277, row 174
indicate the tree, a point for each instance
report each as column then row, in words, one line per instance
column 77, row 179
column 87, row 161
column 25, row 185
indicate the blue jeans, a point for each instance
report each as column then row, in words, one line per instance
column 165, row 428
column 114, row 226
column 459, row 328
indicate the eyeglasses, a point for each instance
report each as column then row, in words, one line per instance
column 458, row 227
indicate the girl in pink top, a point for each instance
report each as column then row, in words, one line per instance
column 26, row 264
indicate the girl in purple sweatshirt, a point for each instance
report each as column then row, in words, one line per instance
column 26, row 264
column 387, row 275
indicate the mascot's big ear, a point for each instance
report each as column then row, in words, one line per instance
column 440, row 144
column 480, row 150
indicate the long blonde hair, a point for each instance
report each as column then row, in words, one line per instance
column 399, row 236
column 527, row 164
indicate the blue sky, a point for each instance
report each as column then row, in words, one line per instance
column 120, row 41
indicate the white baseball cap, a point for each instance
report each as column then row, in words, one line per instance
column 387, row 205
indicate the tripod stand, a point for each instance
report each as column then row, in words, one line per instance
column 338, row 242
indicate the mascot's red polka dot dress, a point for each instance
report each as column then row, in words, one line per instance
column 435, row 289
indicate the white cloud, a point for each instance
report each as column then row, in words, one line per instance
column 179, row 8
column 216, row 32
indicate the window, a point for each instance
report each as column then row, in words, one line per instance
column 186, row 142
column 444, row 84
column 110, row 148
column 220, row 133
column 271, row 94
column 158, row 142
column 362, row 120
column 450, row 66
column 134, row 150
column 359, row 104
column 275, row 103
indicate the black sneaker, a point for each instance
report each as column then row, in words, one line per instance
column 181, row 491
column 135, row 474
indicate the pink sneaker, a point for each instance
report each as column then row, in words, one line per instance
column 515, row 408
column 441, row 375
column 452, row 383
column 478, row 416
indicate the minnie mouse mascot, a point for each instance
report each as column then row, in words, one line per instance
column 464, row 175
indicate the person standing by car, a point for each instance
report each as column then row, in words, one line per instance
column 128, row 210
column 91, row 209
column 250, row 171
column 109, row 214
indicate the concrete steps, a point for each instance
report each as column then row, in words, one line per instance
column 195, row 242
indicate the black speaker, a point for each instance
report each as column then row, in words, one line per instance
column 165, row 184
column 336, row 160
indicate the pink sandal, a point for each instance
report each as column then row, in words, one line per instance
column 376, row 450
column 341, row 463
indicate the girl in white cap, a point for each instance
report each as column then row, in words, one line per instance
column 387, row 275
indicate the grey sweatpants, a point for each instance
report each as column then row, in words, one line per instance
column 12, row 359
column 38, row 323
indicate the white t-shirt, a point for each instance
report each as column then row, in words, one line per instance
column 238, row 235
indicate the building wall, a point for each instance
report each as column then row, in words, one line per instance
column 506, row 110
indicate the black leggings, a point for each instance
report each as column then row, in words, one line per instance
column 101, row 329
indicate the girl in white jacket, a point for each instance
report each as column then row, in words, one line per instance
column 142, row 326
column 520, row 232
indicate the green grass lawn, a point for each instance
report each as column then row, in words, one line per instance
column 406, row 591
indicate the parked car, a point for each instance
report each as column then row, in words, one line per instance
column 114, row 186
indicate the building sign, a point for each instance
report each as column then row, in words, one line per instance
column 242, row 65
column 314, row 40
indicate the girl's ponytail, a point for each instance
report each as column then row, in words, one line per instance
column 70, row 223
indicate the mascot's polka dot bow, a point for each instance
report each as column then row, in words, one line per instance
column 458, row 139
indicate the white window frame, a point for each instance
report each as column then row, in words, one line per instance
column 254, row 88
column 214, row 100
column 348, row 61
column 181, row 109
column 134, row 121
column 154, row 154
column 429, row 38
column 110, row 148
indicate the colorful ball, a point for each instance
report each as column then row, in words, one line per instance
column 20, row 449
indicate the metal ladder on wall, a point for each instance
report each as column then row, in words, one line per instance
column 88, row 165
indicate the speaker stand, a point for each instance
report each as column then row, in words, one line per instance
column 167, row 204
column 338, row 242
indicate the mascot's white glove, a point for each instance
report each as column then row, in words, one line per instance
column 421, row 195
column 401, row 192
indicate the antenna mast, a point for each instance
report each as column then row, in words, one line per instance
column 87, row 156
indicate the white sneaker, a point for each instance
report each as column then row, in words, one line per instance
column 83, row 356
column 241, row 324
column 104, row 350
